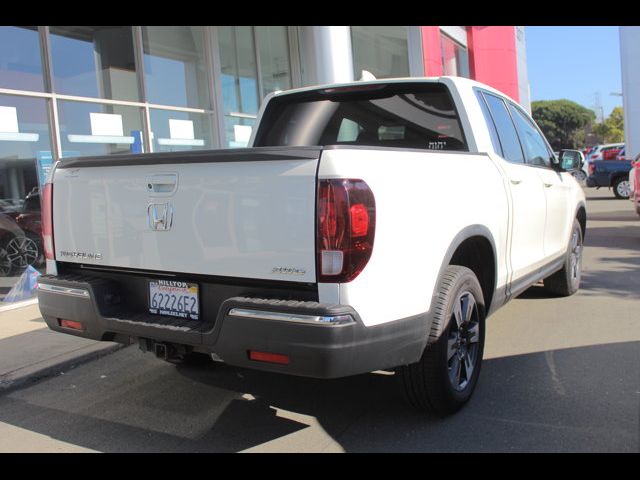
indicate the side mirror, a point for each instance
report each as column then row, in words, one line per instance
column 570, row 160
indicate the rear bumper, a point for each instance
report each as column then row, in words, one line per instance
column 315, row 348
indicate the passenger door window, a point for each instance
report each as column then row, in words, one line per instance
column 493, row 133
column 511, row 149
column 535, row 147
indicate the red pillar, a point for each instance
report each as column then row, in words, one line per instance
column 431, row 53
column 492, row 58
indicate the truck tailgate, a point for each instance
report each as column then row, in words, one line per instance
column 246, row 213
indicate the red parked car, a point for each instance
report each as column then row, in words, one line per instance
column 610, row 153
column 634, row 183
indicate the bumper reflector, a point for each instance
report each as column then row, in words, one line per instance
column 269, row 357
column 70, row 324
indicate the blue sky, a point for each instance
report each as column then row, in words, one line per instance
column 575, row 63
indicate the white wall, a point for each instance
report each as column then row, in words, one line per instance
column 629, row 54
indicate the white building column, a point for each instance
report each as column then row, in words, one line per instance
column 629, row 53
column 326, row 54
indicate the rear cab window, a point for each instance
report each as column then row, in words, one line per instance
column 407, row 115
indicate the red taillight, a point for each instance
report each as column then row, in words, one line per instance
column 346, row 228
column 47, row 221
column 70, row 324
column 359, row 220
column 269, row 357
column 592, row 168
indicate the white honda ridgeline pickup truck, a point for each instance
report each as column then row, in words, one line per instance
column 372, row 225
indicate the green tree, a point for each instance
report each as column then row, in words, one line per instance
column 612, row 129
column 561, row 121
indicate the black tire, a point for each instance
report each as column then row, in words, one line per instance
column 621, row 188
column 429, row 383
column 566, row 282
column 6, row 266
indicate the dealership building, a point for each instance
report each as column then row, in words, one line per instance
column 629, row 54
column 101, row 90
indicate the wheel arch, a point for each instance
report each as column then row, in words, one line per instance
column 474, row 247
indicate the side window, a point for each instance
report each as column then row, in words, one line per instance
column 349, row 131
column 511, row 149
column 533, row 142
column 495, row 141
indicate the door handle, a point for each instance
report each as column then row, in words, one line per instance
column 515, row 181
column 548, row 185
column 162, row 184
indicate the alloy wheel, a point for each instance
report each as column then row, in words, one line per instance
column 575, row 256
column 22, row 251
column 463, row 341
column 624, row 189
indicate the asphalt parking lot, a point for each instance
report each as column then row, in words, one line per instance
column 560, row 375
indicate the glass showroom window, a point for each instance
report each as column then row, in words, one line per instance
column 175, row 69
column 239, row 76
column 455, row 59
column 25, row 159
column 174, row 131
column 383, row 51
column 99, row 129
column 20, row 61
column 94, row 62
column 273, row 51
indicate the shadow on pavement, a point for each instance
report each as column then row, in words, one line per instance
column 616, row 216
column 591, row 198
column 625, row 237
column 534, row 402
column 621, row 280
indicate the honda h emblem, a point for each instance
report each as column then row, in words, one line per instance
column 160, row 216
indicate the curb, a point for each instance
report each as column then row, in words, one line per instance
column 12, row 306
column 29, row 376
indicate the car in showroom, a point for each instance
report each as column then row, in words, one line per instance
column 21, row 235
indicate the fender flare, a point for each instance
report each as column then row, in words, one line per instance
column 470, row 231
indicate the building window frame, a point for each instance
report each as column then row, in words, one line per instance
column 295, row 67
column 446, row 34
column 215, row 108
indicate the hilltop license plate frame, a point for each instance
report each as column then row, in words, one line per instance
column 174, row 298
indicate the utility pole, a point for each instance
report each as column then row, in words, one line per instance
column 598, row 108
column 599, row 111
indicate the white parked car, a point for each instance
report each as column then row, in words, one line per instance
column 371, row 225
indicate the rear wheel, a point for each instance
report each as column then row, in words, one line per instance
column 622, row 188
column 443, row 380
column 566, row 282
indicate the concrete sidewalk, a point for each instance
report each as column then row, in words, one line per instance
column 30, row 351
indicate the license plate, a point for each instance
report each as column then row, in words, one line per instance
column 176, row 299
